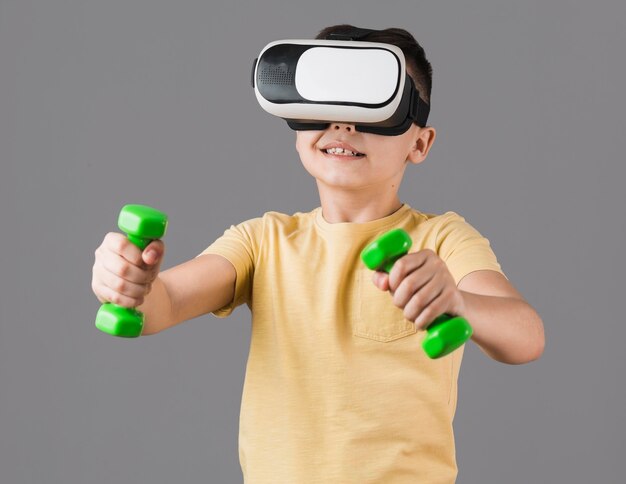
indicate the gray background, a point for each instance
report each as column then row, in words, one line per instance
column 104, row 103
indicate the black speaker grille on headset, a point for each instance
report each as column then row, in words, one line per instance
column 276, row 75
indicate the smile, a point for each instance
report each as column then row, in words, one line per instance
column 342, row 152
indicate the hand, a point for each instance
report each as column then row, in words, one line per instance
column 122, row 273
column 422, row 286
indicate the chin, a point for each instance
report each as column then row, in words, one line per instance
column 341, row 183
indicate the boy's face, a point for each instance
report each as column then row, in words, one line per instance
column 341, row 157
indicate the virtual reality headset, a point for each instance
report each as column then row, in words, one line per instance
column 312, row 83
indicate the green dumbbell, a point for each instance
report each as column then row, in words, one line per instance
column 446, row 333
column 142, row 225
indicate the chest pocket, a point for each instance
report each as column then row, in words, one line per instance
column 375, row 316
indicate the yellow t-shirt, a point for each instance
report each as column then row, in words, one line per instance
column 337, row 387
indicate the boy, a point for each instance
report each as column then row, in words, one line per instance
column 337, row 389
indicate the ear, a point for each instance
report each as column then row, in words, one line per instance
column 422, row 142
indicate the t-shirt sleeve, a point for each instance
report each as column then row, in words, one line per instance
column 463, row 248
column 240, row 246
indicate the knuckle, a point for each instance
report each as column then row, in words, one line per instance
column 136, row 257
column 408, row 313
column 117, row 244
column 400, row 265
column 122, row 300
column 123, row 269
column 110, row 238
column 414, row 278
column 120, row 246
column 417, row 300
column 395, row 280
column 133, row 254
column 119, row 285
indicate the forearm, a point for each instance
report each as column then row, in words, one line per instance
column 507, row 329
column 157, row 308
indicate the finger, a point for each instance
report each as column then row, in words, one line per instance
column 154, row 252
column 95, row 287
column 422, row 299
column 381, row 280
column 121, row 267
column 109, row 295
column 120, row 245
column 406, row 264
column 436, row 308
column 121, row 285
column 411, row 284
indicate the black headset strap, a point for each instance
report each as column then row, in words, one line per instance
column 418, row 108
column 354, row 33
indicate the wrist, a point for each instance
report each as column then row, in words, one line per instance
column 460, row 307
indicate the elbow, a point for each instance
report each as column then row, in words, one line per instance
column 532, row 353
column 539, row 341
column 539, row 348
column 534, row 348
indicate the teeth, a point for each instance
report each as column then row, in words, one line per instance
column 340, row 151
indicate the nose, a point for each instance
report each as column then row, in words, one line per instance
column 348, row 128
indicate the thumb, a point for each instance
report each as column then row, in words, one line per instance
column 153, row 252
column 381, row 280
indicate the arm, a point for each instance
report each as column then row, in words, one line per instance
column 506, row 327
column 189, row 290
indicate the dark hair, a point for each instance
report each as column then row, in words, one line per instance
column 417, row 65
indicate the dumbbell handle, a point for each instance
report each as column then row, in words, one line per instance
column 446, row 333
column 140, row 242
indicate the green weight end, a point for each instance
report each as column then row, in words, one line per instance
column 119, row 321
column 142, row 222
column 446, row 334
column 384, row 251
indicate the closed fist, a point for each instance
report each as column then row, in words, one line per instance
column 123, row 273
column 422, row 286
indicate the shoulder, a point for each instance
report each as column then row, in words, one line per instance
column 436, row 225
column 447, row 233
column 441, row 219
column 447, row 223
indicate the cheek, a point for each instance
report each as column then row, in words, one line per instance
column 305, row 146
column 306, row 143
column 298, row 141
column 398, row 145
column 306, row 138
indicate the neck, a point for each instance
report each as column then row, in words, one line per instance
column 356, row 207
